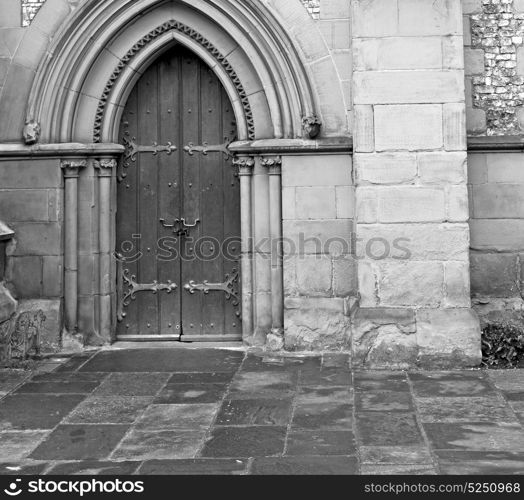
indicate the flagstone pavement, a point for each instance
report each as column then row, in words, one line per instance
column 221, row 411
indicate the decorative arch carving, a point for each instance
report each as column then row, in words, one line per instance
column 103, row 47
column 204, row 42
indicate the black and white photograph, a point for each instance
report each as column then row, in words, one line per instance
column 261, row 238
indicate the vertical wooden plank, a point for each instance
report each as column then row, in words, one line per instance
column 148, row 208
column 169, row 198
column 212, row 200
column 126, row 217
column 190, row 120
column 231, row 186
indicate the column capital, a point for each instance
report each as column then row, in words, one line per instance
column 71, row 166
column 273, row 164
column 105, row 166
column 245, row 164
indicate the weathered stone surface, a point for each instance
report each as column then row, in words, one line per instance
column 8, row 304
column 476, row 436
column 494, row 274
column 314, row 275
column 413, row 204
column 498, row 235
column 315, row 324
column 442, row 168
column 425, row 242
column 384, row 338
column 386, row 168
column 314, row 170
column 498, row 201
column 345, row 196
column 454, row 115
column 401, row 455
column 504, row 168
column 411, row 283
column 165, row 444
column 315, row 203
column 323, row 443
column 408, row 87
column 364, row 129
column 371, row 54
column 448, row 337
column 50, row 333
column 253, row 441
column 388, row 429
column 425, row 17
column 465, row 409
column 408, row 127
column 457, row 284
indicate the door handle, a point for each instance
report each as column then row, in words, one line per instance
column 180, row 226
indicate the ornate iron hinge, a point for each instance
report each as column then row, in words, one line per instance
column 126, row 279
column 132, row 149
column 229, row 287
column 205, row 149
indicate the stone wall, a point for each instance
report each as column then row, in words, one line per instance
column 494, row 63
column 496, row 183
column 31, row 197
column 410, row 167
column 319, row 266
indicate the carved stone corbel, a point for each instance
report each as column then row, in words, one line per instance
column 311, row 126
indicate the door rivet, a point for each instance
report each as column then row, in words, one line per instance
column 149, row 325
column 169, row 325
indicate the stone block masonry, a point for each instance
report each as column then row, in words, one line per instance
column 496, row 184
column 411, row 193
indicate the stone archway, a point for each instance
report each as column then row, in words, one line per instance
column 79, row 95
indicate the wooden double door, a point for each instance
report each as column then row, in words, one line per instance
column 178, row 215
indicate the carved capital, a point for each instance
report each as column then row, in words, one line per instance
column 71, row 168
column 105, row 166
column 273, row 164
column 245, row 164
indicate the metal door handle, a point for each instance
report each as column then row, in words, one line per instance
column 180, row 226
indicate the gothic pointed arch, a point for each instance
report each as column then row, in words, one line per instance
column 81, row 88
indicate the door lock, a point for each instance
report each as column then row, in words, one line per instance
column 180, row 226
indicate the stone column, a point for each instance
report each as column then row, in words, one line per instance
column 71, row 170
column 412, row 200
column 245, row 166
column 274, row 165
column 261, row 235
column 105, row 168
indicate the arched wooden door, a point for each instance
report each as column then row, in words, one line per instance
column 178, row 217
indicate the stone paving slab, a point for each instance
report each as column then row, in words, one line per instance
column 221, row 411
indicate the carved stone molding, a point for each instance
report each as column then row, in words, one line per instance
column 245, row 164
column 273, row 164
column 173, row 25
column 71, row 168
